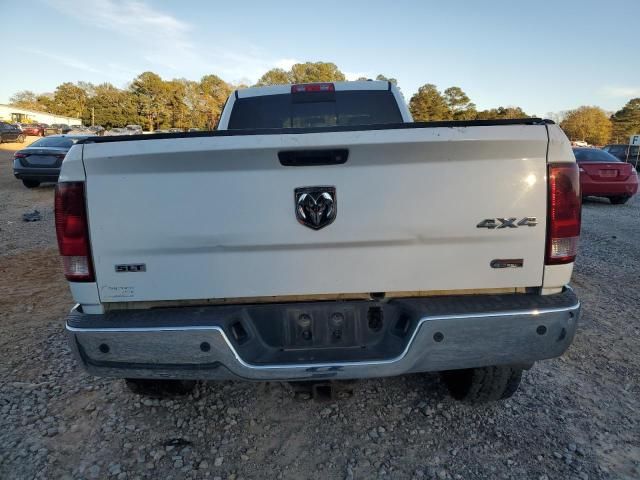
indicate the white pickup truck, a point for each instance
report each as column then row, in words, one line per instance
column 321, row 235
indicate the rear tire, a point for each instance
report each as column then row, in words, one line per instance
column 619, row 200
column 481, row 385
column 20, row 138
column 31, row 183
column 160, row 388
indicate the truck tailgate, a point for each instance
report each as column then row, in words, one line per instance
column 214, row 217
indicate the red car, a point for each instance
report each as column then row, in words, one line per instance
column 603, row 175
column 35, row 129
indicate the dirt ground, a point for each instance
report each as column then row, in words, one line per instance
column 574, row 417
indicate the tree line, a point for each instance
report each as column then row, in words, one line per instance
column 148, row 100
column 155, row 103
column 587, row 123
column 593, row 125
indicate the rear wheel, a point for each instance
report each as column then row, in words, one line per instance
column 160, row 388
column 20, row 138
column 31, row 183
column 619, row 200
column 480, row 385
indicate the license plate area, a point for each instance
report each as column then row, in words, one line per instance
column 320, row 329
column 608, row 173
column 42, row 160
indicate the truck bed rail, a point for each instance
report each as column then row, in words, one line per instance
column 354, row 128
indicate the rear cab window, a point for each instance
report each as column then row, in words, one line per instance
column 315, row 109
column 56, row 142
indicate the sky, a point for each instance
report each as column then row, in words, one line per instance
column 544, row 56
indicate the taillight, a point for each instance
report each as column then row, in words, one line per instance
column 19, row 155
column 72, row 230
column 565, row 203
column 313, row 87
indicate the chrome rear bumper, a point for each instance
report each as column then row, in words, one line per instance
column 177, row 348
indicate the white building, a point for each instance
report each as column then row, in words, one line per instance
column 9, row 113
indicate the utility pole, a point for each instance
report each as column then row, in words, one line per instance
column 93, row 116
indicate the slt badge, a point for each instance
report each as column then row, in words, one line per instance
column 316, row 207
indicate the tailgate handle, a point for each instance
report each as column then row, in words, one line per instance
column 309, row 158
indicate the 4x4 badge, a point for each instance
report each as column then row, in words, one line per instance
column 316, row 207
column 492, row 223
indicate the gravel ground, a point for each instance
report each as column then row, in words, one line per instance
column 576, row 417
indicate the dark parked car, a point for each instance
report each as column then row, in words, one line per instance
column 97, row 130
column 57, row 129
column 134, row 129
column 626, row 153
column 34, row 129
column 11, row 133
column 80, row 130
column 40, row 161
column 603, row 175
column 52, row 130
column 116, row 131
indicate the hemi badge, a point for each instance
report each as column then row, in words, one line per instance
column 507, row 263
